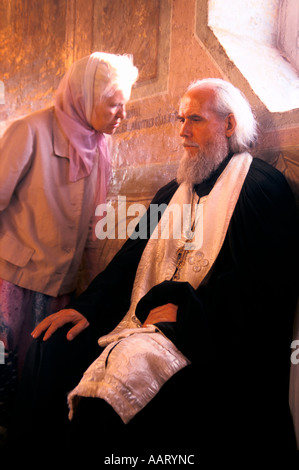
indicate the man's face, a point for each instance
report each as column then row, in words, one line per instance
column 200, row 123
column 204, row 136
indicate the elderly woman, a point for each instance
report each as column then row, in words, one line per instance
column 54, row 169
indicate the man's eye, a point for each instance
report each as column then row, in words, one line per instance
column 196, row 118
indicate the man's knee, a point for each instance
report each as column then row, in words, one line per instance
column 58, row 360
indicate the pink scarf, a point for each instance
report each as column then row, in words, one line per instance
column 73, row 107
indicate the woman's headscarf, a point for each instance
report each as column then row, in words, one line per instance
column 73, row 107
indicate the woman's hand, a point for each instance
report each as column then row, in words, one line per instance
column 51, row 323
column 163, row 313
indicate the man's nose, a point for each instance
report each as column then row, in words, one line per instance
column 186, row 129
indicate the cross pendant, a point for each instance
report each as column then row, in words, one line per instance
column 181, row 260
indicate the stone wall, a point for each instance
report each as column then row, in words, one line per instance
column 171, row 44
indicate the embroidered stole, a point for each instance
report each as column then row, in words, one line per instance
column 160, row 256
column 136, row 362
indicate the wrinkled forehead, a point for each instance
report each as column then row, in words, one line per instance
column 197, row 100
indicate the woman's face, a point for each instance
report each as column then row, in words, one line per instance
column 108, row 113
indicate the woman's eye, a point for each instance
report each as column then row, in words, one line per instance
column 116, row 105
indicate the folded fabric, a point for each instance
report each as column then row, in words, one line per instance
column 130, row 372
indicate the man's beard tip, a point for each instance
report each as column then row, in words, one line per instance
column 200, row 167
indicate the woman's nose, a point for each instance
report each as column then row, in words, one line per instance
column 121, row 113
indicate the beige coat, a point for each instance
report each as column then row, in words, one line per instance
column 44, row 218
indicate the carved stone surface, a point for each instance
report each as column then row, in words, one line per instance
column 129, row 27
column 32, row 53
column 40, row 40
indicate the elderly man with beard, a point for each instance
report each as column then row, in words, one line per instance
column 208, row 366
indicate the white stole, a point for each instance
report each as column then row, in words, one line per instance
column 136, row 361
column 159, row 259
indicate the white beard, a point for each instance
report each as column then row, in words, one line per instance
column 198, row 168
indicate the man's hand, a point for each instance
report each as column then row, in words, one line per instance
column 166, row 312
column 51, row 323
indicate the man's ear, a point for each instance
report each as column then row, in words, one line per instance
column 230, row 125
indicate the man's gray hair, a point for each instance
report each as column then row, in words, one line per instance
column 230, row 99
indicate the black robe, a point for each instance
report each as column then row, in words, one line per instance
column 236, row 329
